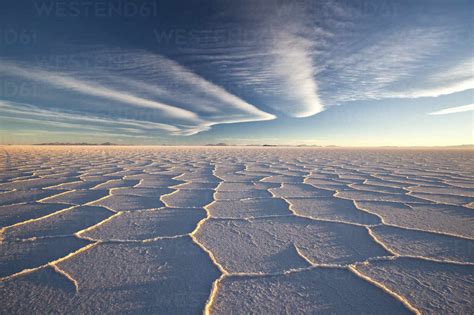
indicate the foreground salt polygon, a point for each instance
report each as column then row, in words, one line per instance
column 235, row 230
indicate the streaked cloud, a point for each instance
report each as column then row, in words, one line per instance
column 383, row 65
column 94, row 89
column 197, row 103
column 444, row 81
column 77, row 120
column 453, row 110
column 293, row 62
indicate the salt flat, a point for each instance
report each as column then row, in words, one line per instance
column 235, row 230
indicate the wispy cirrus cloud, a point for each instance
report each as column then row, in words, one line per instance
column 210, row 100
column 444, row 81
column 179, row 99
column 299, row 68
column 453, row 110
column 77, row 120
column 270, row 61
column 436, row 90
column 380, row 66
column 60, row 80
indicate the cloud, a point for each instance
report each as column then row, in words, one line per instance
column 93, row 89
column 210, row 94
column 436, row 91
column 329, row 53
column 293, row 63
column 460, row 71
column 377, row 65
column 453, row 110
column 214, row 104
column 445, row 81
column 55, row 118
column 278, row 71
column 265, row 58
column 197, row 104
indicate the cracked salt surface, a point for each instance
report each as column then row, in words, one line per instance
column 235, row 230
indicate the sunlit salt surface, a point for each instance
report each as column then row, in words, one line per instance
column 236, row 230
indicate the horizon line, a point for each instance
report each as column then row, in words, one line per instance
column 459, row 146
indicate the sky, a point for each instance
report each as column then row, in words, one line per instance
column 349, row 73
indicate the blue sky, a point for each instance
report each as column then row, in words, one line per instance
column 242, row 72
